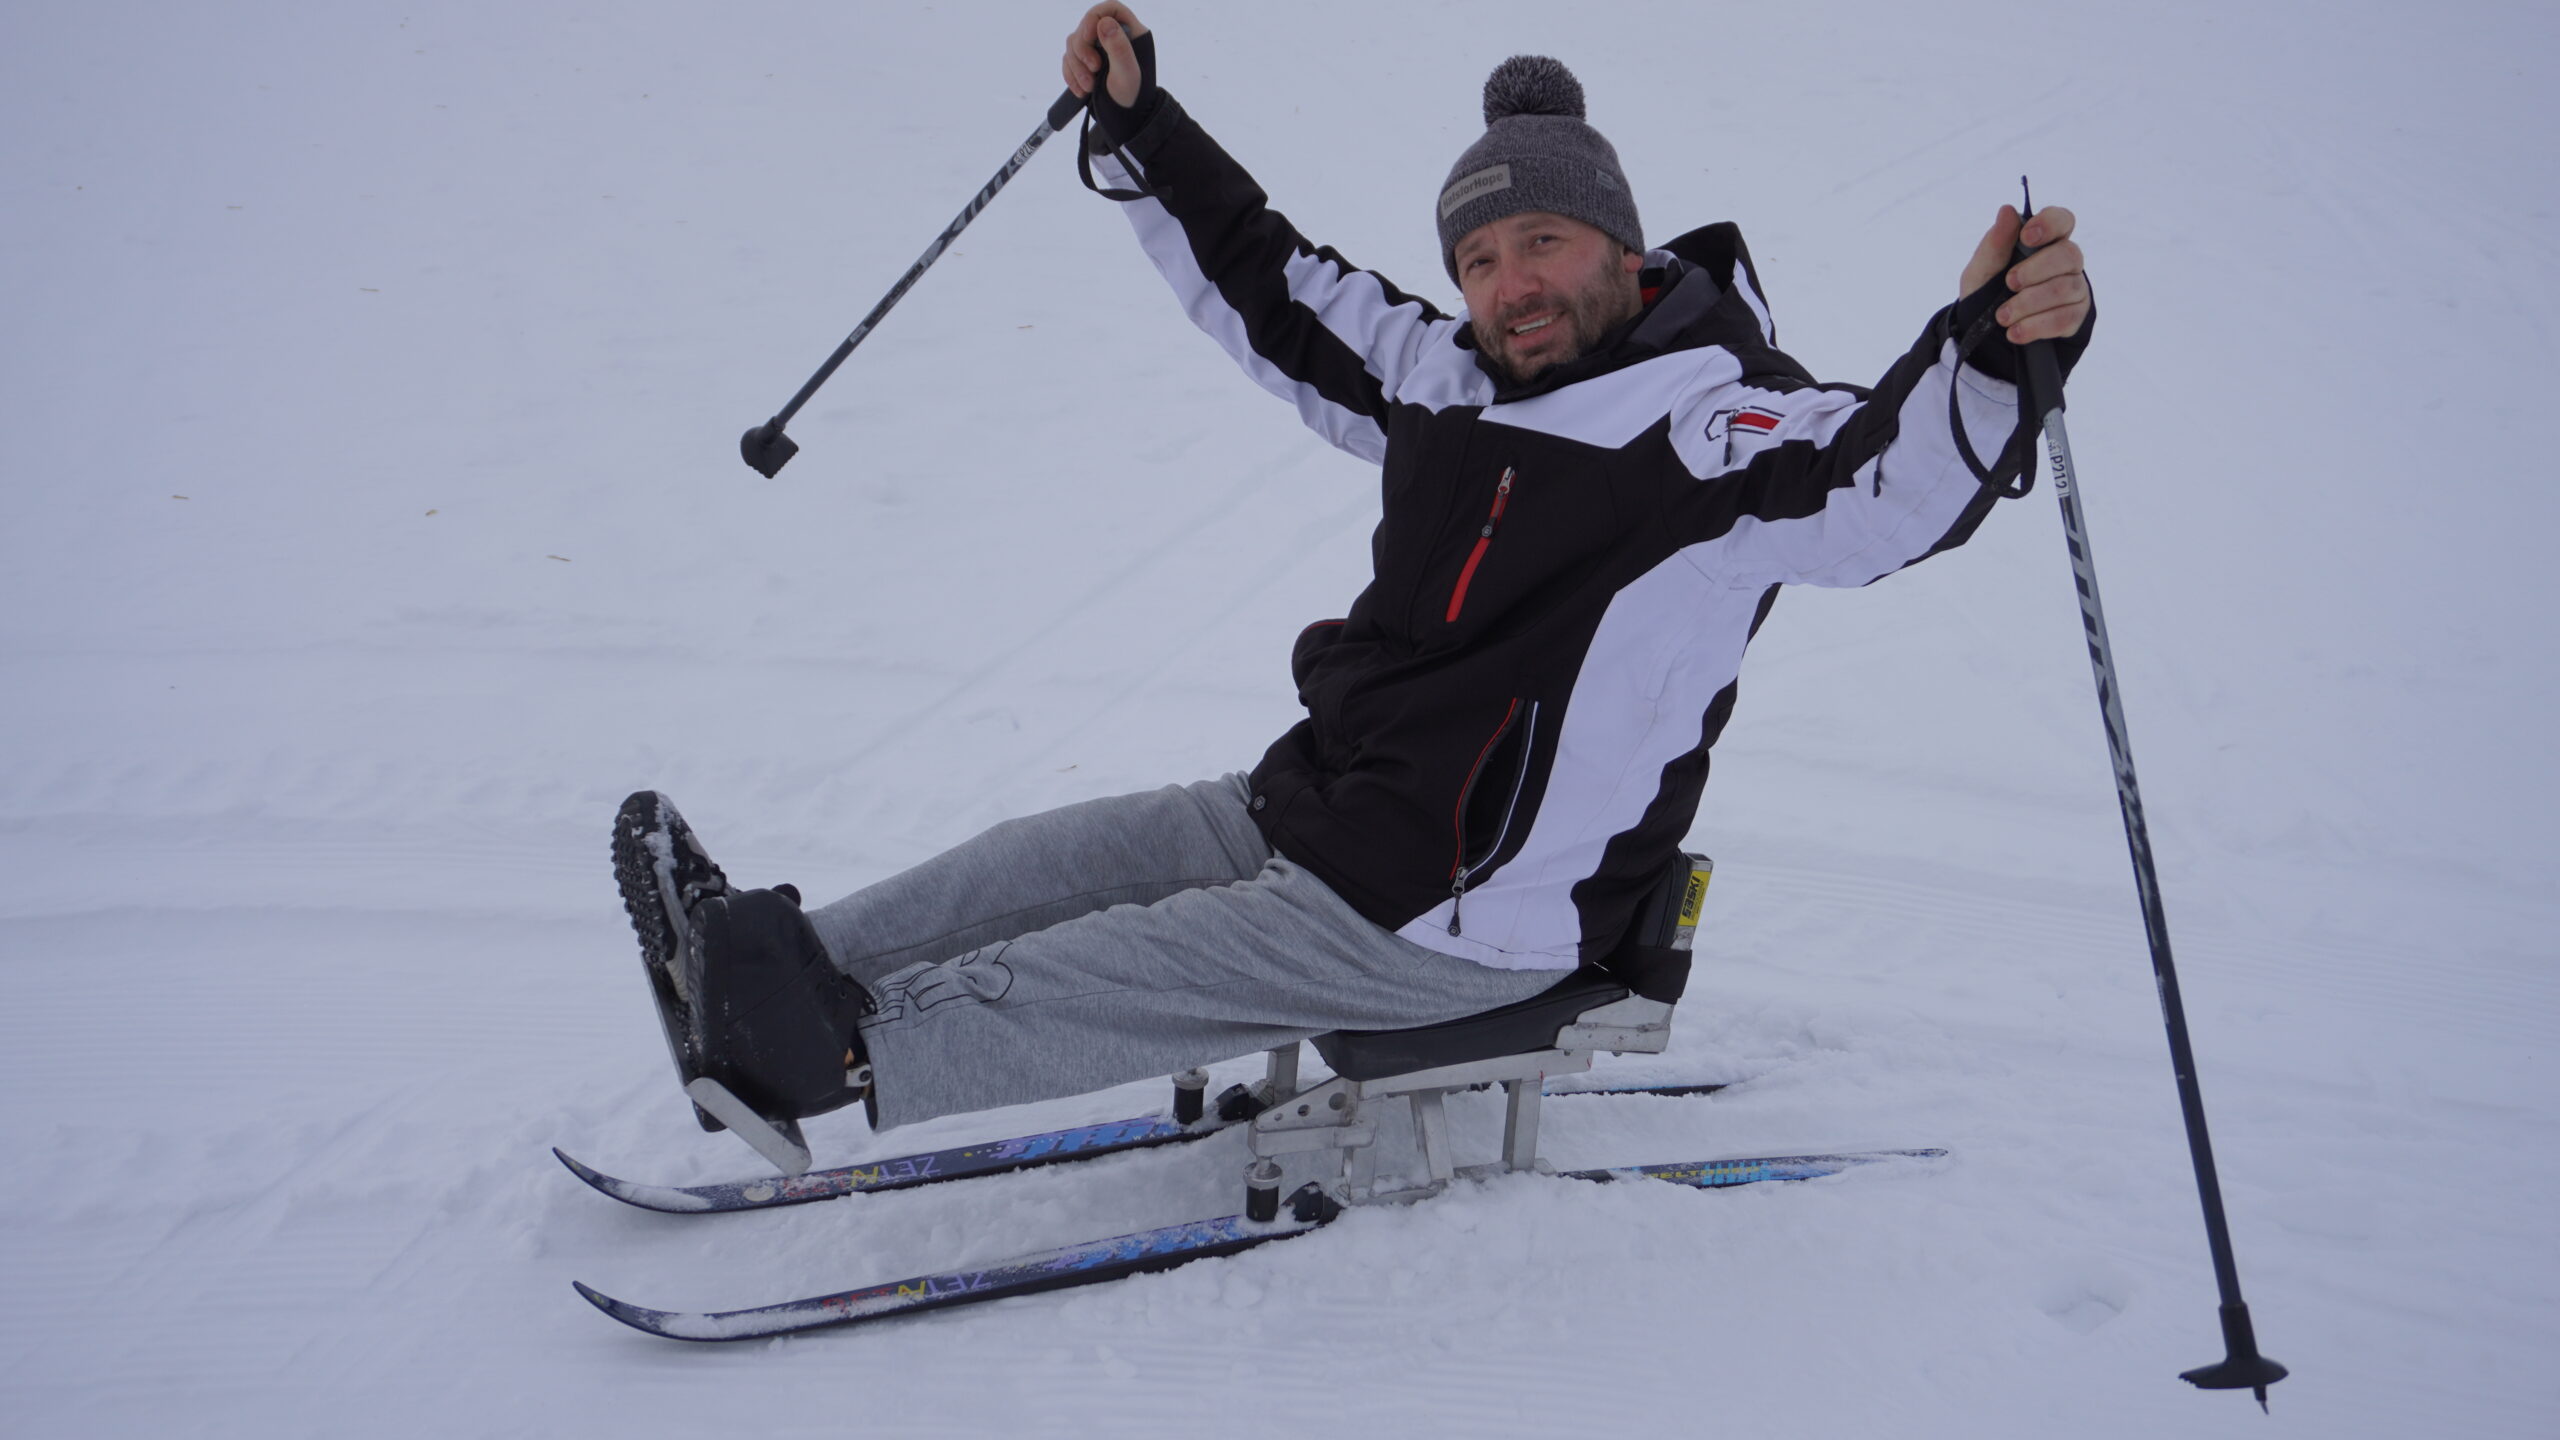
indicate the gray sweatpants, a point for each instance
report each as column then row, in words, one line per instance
column 1111, row 940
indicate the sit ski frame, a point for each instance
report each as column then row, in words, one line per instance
column 1280, row 1117
column 1329, row 1123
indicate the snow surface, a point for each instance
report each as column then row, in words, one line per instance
column 371, row 521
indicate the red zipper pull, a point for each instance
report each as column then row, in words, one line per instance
column 1484, row 538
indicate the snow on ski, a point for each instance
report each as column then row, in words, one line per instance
column 960, row 1162
column 1096, row 1261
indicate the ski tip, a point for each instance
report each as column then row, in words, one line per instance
column 596, row 1178
column 639, row 1317
column 631, row 1315
column 662, row 1198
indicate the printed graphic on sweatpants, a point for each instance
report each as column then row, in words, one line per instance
column 981, row 975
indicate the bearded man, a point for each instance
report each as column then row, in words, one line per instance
column 1594, row 482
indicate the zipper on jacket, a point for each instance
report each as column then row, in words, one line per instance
column 1460, row 872
column 1484, row 541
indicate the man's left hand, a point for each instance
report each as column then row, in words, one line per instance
column 2050, row 288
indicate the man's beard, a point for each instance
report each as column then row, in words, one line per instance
column 1587, row 315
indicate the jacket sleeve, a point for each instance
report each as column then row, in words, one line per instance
column 1842, row 485
column 1336, row 341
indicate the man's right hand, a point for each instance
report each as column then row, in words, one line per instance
column 2051, row 287
column 1105, row 33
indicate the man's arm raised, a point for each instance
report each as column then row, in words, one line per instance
column 1338, row 342
column 1841, row 487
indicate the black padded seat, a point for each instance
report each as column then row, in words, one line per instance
column 1515, row 1029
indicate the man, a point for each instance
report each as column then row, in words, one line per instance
column 1594, row 484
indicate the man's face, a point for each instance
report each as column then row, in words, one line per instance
column 1542, row 289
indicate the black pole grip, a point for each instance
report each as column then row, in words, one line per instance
column 2043, row 379
column 1064, row 110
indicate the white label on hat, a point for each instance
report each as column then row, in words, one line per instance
column 1483, row 182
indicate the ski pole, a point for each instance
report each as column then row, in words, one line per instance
column 765, row 447
column 2242, row 1367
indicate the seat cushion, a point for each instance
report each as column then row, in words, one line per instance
column 1515, row 1029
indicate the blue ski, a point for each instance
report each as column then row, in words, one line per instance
column 987, row 1157
column 1087, row 1264
column 1122, row 1255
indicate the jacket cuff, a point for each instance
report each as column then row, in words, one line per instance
column 1163, row 118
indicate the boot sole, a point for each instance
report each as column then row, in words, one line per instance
column 649, row 890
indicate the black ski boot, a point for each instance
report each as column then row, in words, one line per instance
column 775, row 1022
column 760, row 1023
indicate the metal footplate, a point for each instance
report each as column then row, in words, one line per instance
column 778, row 1141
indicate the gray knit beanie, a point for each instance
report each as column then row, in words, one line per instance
column 1536, row 154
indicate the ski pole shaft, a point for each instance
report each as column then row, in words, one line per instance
column 765, row 447
column 2242, row 1366
column 2155, row 922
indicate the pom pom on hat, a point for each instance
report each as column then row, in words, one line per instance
column 1531, row 85
column 1546, row 158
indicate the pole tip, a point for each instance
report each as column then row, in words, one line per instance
column 2242, row 1367
column 767, row 449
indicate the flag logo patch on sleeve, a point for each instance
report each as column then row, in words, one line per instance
column 1741, row 429
column 1749, row 420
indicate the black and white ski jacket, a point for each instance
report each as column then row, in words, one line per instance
column 1506, row 738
